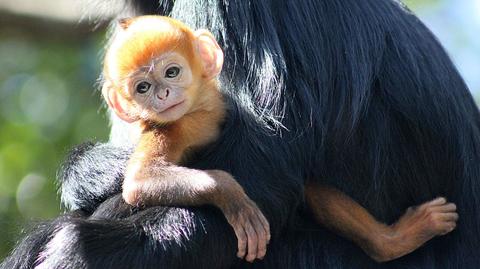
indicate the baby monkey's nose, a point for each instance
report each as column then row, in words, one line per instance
column 162, row 95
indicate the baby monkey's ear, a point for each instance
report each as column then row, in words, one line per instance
column 117, row 103
column 210, row 53
column 124, row 23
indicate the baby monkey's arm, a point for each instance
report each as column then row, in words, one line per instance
column 162, row 74
column 150, row 180
column 382, row 242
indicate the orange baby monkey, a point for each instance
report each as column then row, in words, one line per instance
column 162, row 74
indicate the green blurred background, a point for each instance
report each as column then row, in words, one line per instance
column 49, row 62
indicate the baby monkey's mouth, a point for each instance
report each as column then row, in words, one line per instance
column 171, row 107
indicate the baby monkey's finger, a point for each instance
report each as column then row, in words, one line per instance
column 242, row 241
column 450, row 207
column 437, row 201
column 266, row 225
column 252, row 241
column 448, row 227
column 262, row 237
column 449, row 217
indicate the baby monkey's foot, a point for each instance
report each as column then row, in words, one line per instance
column 418, row 225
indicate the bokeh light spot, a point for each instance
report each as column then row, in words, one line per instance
column 44, row 99
column 29, row 188
column 16, row 55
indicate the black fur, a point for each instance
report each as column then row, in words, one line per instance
column 356, row 94
column 90, row 162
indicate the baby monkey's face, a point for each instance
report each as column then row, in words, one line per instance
column 158, row 70
column 160, row 89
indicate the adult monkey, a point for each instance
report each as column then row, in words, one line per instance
column 355, row 94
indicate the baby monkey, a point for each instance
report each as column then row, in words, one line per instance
column 160, row 73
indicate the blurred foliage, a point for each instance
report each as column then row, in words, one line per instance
column 48, row 103
column 414, row 4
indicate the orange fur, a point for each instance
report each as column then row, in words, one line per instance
column 137, row 49
column 192, row 130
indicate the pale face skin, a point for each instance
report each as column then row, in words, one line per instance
column 159, row 90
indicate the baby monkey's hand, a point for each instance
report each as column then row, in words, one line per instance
column 250, row 225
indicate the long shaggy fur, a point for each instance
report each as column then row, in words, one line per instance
column 86, row 194
column 356, row 94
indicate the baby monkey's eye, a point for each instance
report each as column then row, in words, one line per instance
column 172, row 72
column 143, row 87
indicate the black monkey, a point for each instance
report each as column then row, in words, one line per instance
column 355, row 94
